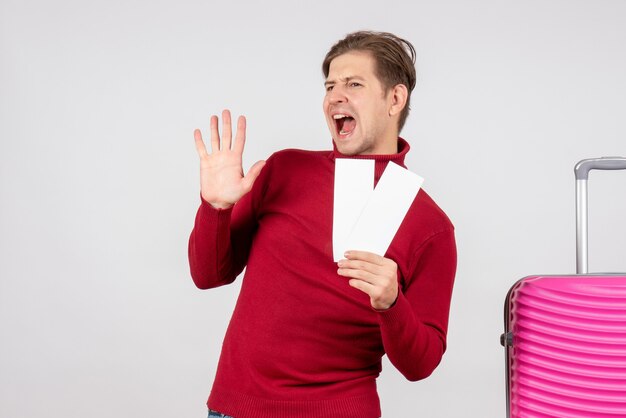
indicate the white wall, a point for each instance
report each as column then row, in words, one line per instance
column 99, row 181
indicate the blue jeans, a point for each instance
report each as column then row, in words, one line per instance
column 215, row 414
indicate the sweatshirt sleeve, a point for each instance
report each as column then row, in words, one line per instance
column 414, row 328
column 220, row 241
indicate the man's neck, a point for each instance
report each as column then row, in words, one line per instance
column 387, row 147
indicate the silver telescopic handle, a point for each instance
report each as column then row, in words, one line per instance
column 581, row 171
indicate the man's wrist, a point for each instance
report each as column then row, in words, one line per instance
column 217, row 205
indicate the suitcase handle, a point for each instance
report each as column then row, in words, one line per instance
column 581, row 171
column 583, row 167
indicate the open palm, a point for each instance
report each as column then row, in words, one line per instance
column 222, row 181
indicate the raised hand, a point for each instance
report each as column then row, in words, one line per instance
column 222, row 182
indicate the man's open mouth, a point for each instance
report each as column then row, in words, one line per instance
column 345, row 124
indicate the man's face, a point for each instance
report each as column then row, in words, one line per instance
column 357, row 108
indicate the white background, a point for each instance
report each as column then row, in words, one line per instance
column 99, row 177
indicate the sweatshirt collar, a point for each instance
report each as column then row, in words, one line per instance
column 381, row 160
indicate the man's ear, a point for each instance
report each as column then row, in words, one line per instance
column 399, row 95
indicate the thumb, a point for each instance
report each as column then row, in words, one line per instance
column 253, row 173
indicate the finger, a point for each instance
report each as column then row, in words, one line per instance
column 240, row 138
column 253, row 173
column 215, row 135
column 358, row 274
column 200, row 147
column 365, row 256
column 227, row 130
column 363, row 286
column 360, row 265
column 378, row 299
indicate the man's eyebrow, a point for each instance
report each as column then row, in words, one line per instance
column 347, row 79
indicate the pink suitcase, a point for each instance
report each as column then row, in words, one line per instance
column 565, row 336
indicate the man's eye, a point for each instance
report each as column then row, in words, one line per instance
column 355, row 84
column 329, row 88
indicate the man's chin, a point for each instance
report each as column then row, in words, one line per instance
column 346, row 147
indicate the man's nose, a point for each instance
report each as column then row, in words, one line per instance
column 336, row 95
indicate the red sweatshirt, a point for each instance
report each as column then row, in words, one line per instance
column 301, row 341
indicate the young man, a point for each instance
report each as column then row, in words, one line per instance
column 307, row 335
